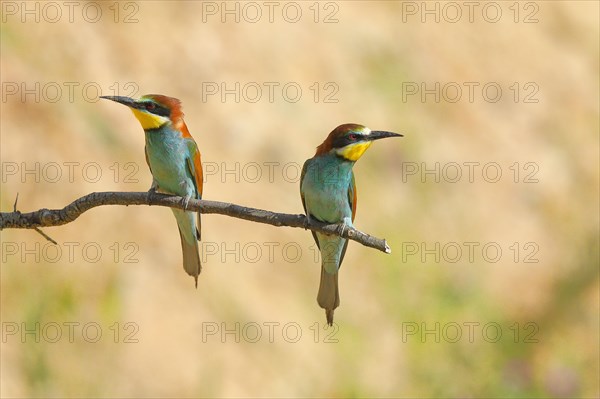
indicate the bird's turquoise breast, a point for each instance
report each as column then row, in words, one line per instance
column 325, row 188
column 168, row 155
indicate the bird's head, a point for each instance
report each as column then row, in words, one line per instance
column 153, row 110
column 350, row 141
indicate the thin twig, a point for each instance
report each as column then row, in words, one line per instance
column 45, row 235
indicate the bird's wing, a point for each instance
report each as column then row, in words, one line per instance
column 154, row 185
column 194, row 164
column 301, row 180
column 146, row 154
column 352, row 202
column 304, row 202
column 352, row 199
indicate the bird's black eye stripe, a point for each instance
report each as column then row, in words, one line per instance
column 350, row 138
column 156, row 109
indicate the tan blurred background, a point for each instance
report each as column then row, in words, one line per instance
column 117, row 270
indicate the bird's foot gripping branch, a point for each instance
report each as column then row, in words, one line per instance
column 57, row 217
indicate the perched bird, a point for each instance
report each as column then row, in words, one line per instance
column 174, row 161
column 328, row 195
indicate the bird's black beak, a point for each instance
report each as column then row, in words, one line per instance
column 130, row 102
column 380, row 134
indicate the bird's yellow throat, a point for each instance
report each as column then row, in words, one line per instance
column 149, row 121
column 354, row 151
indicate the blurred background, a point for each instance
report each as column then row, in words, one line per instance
column 489, row 202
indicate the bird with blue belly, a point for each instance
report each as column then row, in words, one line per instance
column 328, row 193
column 175, row 164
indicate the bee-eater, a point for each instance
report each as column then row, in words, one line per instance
column 328, row 195
column 174, row 161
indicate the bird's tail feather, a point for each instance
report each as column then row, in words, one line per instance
column 329, row 295
column 191, row 258
column 189, row 243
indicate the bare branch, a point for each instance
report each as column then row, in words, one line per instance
column 58, row 217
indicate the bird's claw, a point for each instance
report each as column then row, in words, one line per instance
column 151, row 192
column 186, row 202
column 306, row 222
column 153, row 186
column 342, row 228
